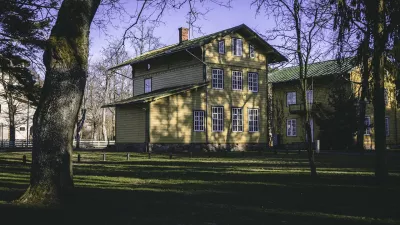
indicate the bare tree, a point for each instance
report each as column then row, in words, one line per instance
column 144, row 40
column 300, row 27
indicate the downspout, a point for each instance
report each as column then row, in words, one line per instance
column 133, row 80
column 395, row 117
column 203, row 51
column 202, row 60
column 268, row 107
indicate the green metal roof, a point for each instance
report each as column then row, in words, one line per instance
column 197, row 42
column 157, row 94
column 325, row 68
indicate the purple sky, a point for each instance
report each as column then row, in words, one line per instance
column 219, row 18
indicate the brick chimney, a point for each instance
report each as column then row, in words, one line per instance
column 183, row 34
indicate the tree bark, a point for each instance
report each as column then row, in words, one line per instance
column 303, row 87
column 11, row 117
column 381, row 171
column 364, row 91
column 66, row 59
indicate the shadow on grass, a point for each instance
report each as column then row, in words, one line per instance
column 202, row 192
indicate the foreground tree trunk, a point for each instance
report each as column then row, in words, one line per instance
column 381, row 171
column 66, row 59
column 11, row 120
column 364, row 91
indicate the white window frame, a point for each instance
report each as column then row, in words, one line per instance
column 237, row 119
column 252, row 53
column 367, row 122
column 293, row 99
column 254, row 120
column 218, row 79
column 291, row 127
column 148, row 86
column 237, row 80
column 237, row 47
column 387, row 126
column 310, row 96
column 221, row 47
column 217, row 118
column 198, row 120
column 252, row 81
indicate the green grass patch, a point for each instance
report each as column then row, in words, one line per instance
column 232, row 189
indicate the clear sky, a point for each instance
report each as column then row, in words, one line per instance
column 219, row 18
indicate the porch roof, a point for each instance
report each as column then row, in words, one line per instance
column 157, row 94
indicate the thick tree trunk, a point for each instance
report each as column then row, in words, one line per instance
column 381, row 171
column 364, row 91
column 65, row 58
column 11, row 121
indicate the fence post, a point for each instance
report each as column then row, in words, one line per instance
column 24, row 159
column 79, row 158
column 127, row 156
column 149, row 155
column 104, row 156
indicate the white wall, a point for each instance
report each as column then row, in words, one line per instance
column 20, row 118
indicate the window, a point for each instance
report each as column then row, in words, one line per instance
column 367, row 123
column 253, row 120
column 221, row 47
column 147, row 85
column 251, row 50
column 237, row 119
column 310, row 96
column 386, row 96
column 291, row 130
column 237, row 46
column 218, row 79
column 218, row 119
column 387, row 126
column 290, row 98
column 237, row 80
column 198, row 120
column 22, row 129
column 253, row 82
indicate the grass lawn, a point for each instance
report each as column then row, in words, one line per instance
column 268, row 189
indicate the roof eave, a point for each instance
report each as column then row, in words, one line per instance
column 153, row 57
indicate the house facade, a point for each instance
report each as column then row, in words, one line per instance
column 206, row 93
column 288, row 112
column 23, row 112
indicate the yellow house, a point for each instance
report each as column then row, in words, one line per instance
column 205, row 93
column 288, row 119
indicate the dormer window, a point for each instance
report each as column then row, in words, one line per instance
column 237, row 46
column 221, row 47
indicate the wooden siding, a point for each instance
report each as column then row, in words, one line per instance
column 171, row 118
column 177, row 69
column 130, row 124
column 321, row 95
column 391, row 108
column 212, row 55
column 244, row 99
column 279, row 91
